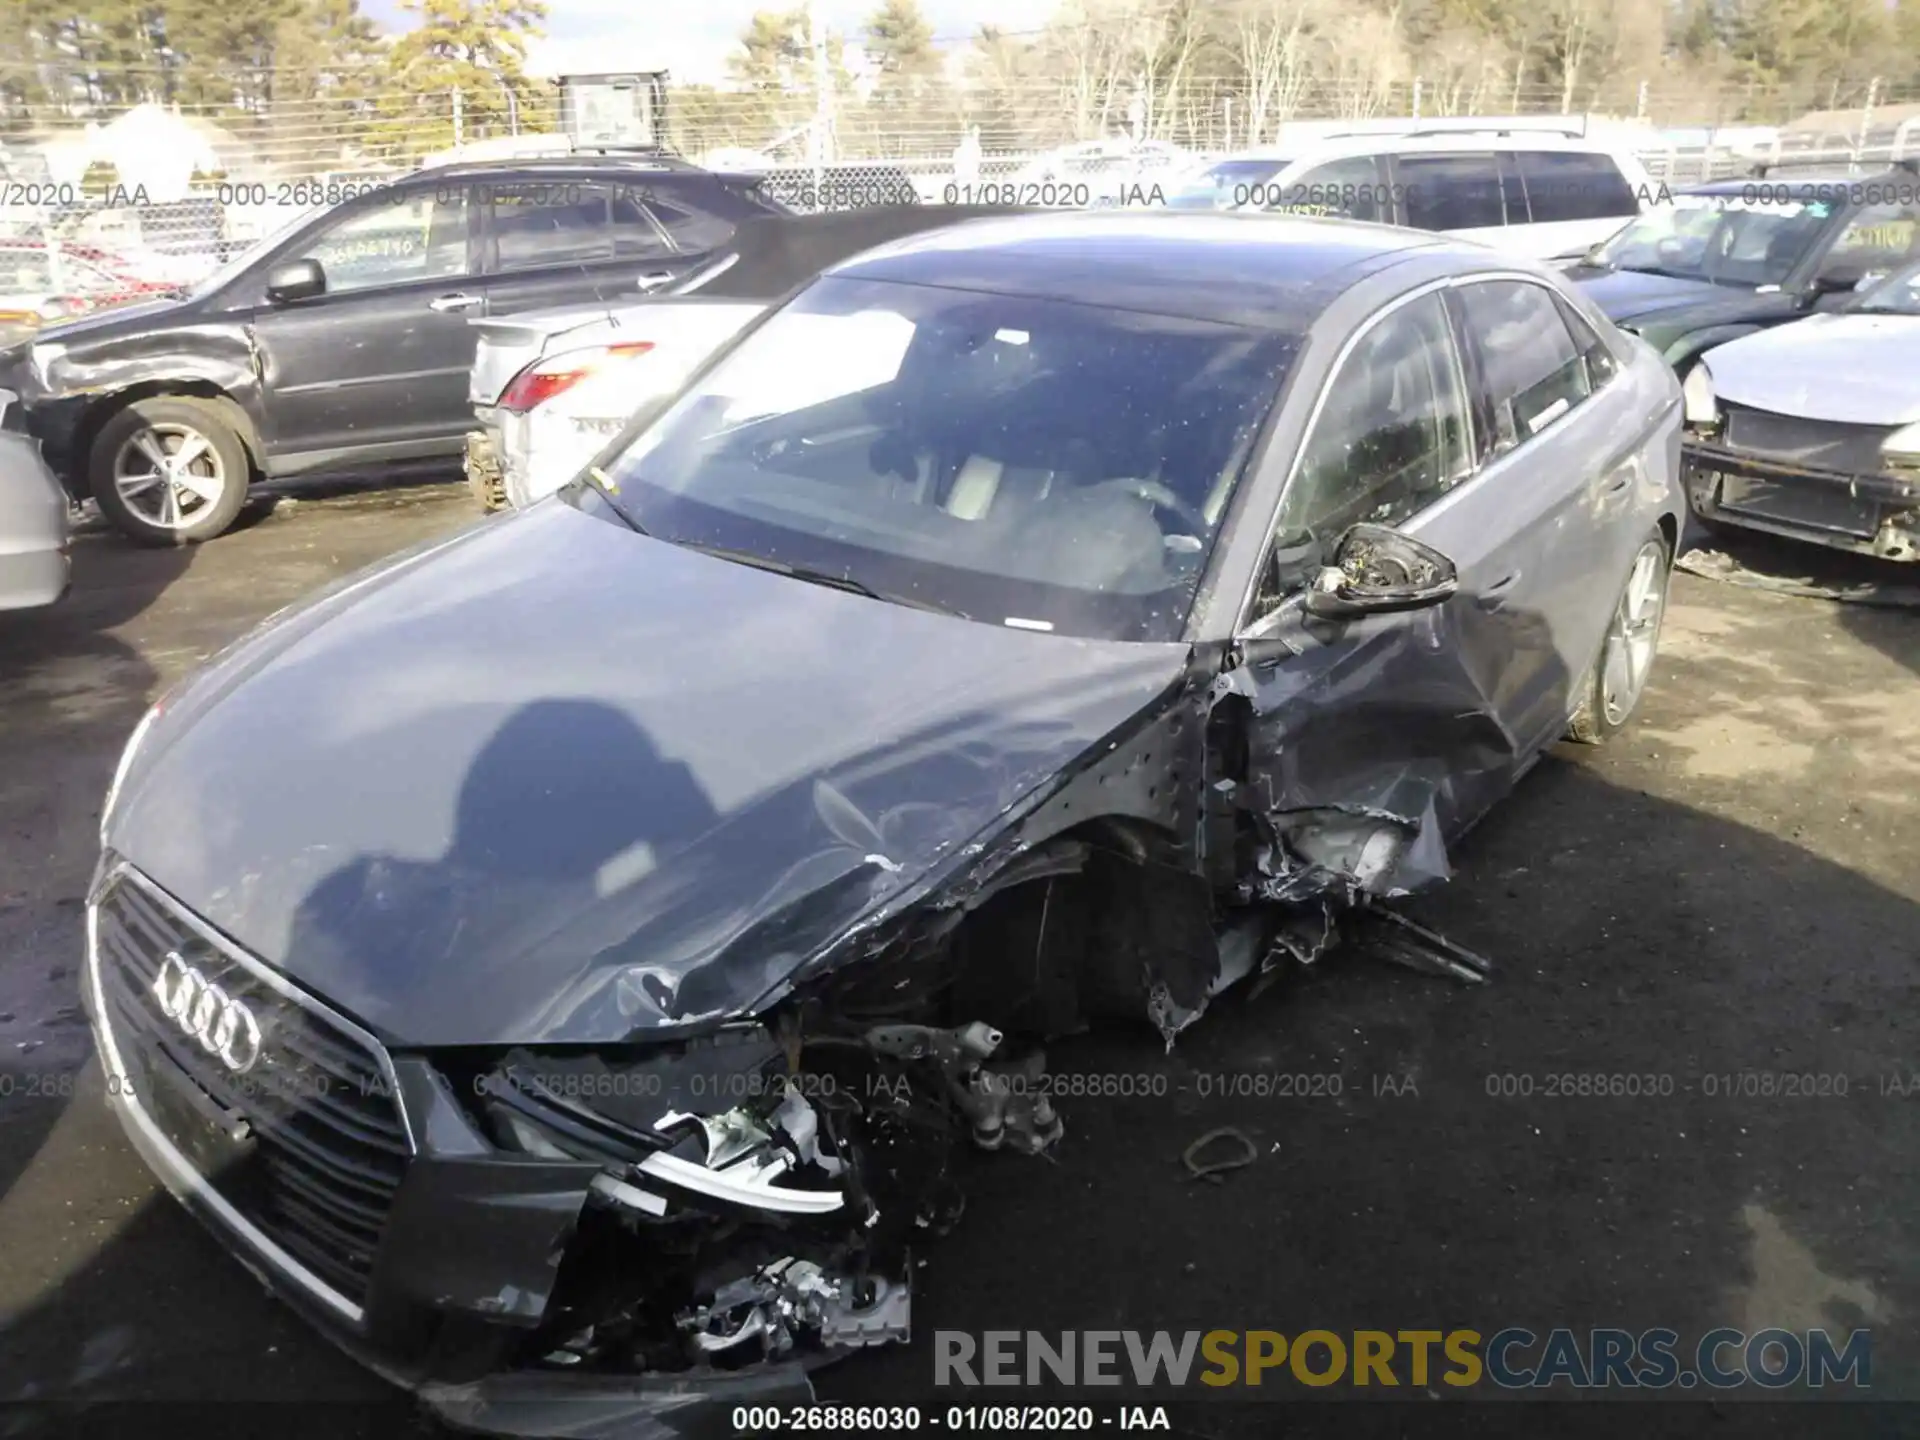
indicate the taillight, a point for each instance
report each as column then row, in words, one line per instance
column 544, row 379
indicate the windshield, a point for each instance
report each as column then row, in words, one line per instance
column 1227, row 186
column 1898, row 294
column 1026, row 462
column 1724, row 239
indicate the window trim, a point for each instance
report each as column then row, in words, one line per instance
column 1246, row 628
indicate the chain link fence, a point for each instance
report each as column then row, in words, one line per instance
column 109, row 198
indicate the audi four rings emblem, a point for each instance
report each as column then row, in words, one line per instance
column 204, row 1012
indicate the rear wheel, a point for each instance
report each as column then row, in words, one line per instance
column 170, row 470
column 1619, row 676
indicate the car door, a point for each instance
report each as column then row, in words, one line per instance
column 565, row 241
column 376, row 366
column 1549, row 512
column 1406, row 713
column 1457, row 192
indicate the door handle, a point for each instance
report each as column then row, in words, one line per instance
column 445, row 303
column 655, row 280
column 1496, row 595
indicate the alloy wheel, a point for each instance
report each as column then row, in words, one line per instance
column 169, row 474
column 1634, row 634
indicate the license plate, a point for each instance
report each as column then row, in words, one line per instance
column 1791, row 502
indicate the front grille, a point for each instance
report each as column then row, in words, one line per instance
column 323, row 1145
column 1822, row 444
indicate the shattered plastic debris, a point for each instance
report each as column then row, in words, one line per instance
column 1718, row 565
column 1395, row 938
column 1214, row 1171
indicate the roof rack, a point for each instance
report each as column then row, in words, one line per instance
column 1520, row 125
column 1850, row 164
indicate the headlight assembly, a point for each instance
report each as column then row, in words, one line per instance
column 1904, row 443
column 1697, row 392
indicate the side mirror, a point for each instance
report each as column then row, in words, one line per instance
column 1376, row 571
column 296, row 280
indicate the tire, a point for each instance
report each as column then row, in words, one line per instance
column 199, row 502
column 1617, row 678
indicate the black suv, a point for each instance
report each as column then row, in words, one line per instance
column 1726, row 259
column 343, row 343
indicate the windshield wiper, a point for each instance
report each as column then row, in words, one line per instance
column 824, row 578
column 1659, row 270
column 597, row 480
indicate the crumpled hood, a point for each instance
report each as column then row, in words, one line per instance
column 1855, row 369
column 552, row 781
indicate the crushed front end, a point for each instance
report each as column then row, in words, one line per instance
column 604, row 1240
column 1847, row 486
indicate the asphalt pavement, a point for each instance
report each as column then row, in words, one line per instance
column 1728, row 890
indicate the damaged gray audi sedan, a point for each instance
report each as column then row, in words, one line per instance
column 567, row 960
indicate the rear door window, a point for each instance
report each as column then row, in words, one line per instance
column 1451, row 192
column 1570, row 185
column 1532, row 371
column 694, row 227
column 548, row 222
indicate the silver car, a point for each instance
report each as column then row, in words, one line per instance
column 33, row 521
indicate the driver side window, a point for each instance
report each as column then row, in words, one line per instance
column 390, row 239
column 1392, row 434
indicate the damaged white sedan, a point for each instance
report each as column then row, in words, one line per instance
column 565, row 960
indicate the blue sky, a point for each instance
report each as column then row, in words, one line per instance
column 694, row 42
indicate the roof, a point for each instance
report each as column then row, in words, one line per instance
column 1447, row 142
column 1267, row 271
column 1783, row 176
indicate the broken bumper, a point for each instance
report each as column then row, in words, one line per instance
column 1877, row 515
column 483, row 469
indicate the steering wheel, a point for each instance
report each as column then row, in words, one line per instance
column 1161, row 498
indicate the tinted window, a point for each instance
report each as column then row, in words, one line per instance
column 390, row 239
column 635, row 236
column 1602, row 364
column 1015, row 458
column 1392, row 433
column 1227, row 185
column 693, row 228
column 1878, row 238
column 549, row 222
column 1531, row 367
column 1567, row 185
column 1451, row 192
column 1350, row 188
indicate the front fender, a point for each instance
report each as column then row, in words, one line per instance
column 77, row 382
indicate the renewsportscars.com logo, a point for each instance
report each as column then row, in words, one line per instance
column 1511, row 1359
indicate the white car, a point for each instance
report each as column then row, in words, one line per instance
column 1812, row 430
column 550, row 388
column 1544, row 194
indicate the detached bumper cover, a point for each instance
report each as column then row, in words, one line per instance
column 1868, row 514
